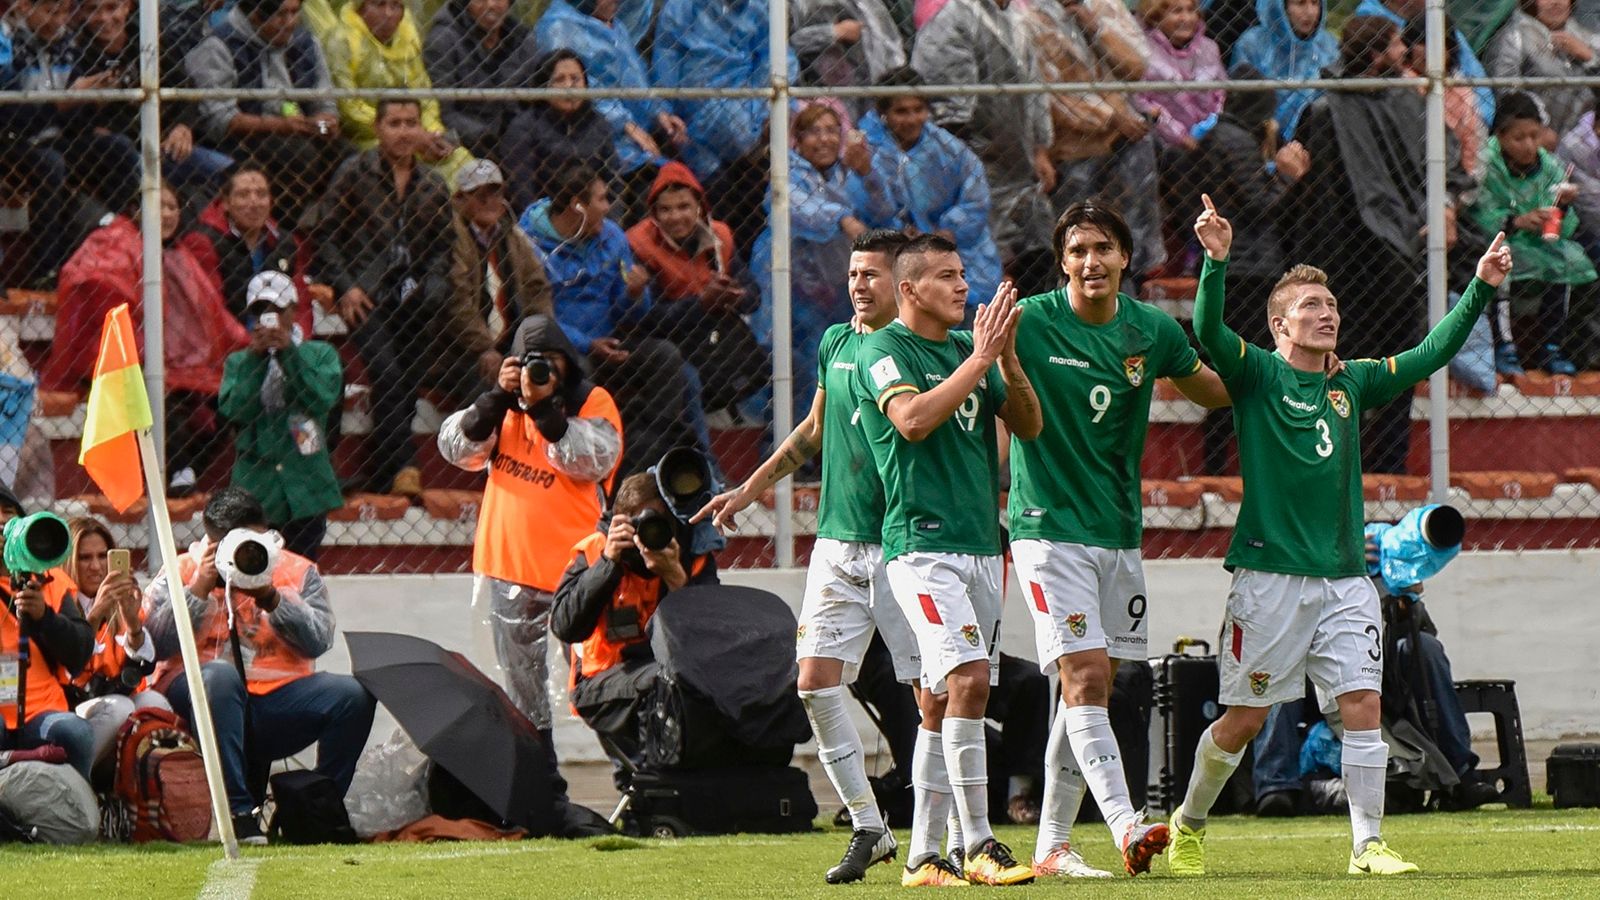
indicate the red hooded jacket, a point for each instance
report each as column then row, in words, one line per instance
column 679, row 273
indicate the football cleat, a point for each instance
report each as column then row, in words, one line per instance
column 931, row 871
column 867, row 848
column 1142, row 843
column 1065, row 862
column 993, row 864
column 1186, row 854
column 1377, row 859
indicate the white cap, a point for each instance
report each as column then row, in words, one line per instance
column 271, row 287
column 479, row 173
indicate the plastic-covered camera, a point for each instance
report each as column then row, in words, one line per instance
column 34, row 544
column 1414, row 549
column 246, row 558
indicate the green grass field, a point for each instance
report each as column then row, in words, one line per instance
column 1505, row 855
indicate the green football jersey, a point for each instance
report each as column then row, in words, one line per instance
column 1300, row 436
column 941, row 494
column 1079, row 480
column 851, row 506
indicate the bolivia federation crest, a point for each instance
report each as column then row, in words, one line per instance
column 1133, row 367
column 1340, row 403
column 800, row 633
column 970, row 632
column 1079, row 623
column 1259, row 681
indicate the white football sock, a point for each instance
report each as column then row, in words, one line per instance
column 966, row 757
column 1213, row 766
column 842, row 756
column 931, row 786
column 1063, row 788
column 1100, row 761
column 1364, row 764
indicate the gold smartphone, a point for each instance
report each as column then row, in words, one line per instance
column 119, row 561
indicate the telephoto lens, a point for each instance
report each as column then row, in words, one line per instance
column 655, row 529
column 537, row 367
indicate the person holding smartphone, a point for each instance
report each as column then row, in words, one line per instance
column 113, row 684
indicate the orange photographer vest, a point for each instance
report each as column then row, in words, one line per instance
column 600, row 650
column 45, row 680
column 269, row 663
column 532, row 514
column 108, row 659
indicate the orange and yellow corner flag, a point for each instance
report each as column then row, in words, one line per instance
column 118, row 407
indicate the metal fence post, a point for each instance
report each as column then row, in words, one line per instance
column 155, row 375
column 1438, row 287
column 782, row 334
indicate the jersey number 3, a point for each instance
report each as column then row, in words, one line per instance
column 1324, row 439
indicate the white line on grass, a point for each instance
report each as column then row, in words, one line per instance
column 230, row 880
column 1307, row 835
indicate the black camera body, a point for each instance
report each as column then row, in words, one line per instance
column 655, row 529
column 538, row 368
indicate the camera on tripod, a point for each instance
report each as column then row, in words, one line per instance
column 1414, row 549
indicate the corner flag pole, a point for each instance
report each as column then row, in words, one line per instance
column 209, row 752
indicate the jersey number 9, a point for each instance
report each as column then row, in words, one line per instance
column 967, row 415
column 1099, row 401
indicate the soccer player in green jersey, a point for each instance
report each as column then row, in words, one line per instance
column 1301, row 604
column 847, row 593
column 930, row 396
column 1093, row 354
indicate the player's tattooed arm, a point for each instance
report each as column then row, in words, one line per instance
column 804, row 442
column 1021, row 411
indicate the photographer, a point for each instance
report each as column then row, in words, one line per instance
column 59, row 645
column 112, row 685
column 278, row 392
column 551, row 441
column 604, row 604
column 258, row 648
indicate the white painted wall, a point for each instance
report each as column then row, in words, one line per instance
column 1531, row 616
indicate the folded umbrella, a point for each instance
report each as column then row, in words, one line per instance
column 459, row 718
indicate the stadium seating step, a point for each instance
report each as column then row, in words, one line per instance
column 180, row 509
column 371, row 508
column 1505, row 485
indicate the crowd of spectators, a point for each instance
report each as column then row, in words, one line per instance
column 432, row 227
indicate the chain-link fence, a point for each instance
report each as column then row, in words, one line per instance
column 423, row 178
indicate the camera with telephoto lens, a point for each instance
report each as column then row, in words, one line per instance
column 538, row 368
column 246, row 559
column 1414, row 549
column 35, row 544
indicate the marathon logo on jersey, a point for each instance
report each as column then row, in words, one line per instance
column 1340, row 403
column 970, row 632
column 1079, row 623
column 1133, row 367
column 1259, row 681
column 1296, row 404
column 1069, row 361
column 884, row 373
column 848, row 367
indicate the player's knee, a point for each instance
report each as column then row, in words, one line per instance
column 1361, row 710
column 1085, row 678
column 1239, row 726
column 817, row 675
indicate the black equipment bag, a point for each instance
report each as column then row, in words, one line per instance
column 1185, row 706
column 758, row 799
column 725, row 693
column 308, row 809
column 1572, row 775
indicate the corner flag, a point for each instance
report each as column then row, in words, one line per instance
column 118, row 407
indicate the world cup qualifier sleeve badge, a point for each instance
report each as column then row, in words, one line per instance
column 1079, row 623
column 970, row 632
column 1133, row 367
column 1340, row 402
column 1259, row 681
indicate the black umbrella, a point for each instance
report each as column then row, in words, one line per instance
column 460, row 719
